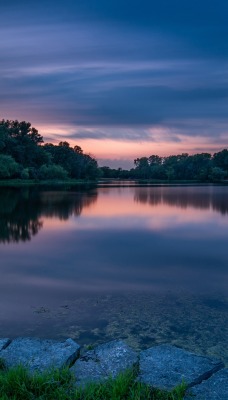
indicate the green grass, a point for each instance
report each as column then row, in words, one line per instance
column 17, row 384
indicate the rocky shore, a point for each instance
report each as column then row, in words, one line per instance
column 162, row 367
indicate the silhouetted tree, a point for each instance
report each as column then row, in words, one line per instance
column 220, row 160
column 23, row 144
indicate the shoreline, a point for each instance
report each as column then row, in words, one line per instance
column 162, row 367
column 17, row 183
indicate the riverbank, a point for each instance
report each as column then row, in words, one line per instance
column 114, row 370
column 105, row 182
column 32, row 182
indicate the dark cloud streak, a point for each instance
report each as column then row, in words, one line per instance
column 117, row 64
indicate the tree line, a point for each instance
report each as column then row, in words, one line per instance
column 24, row 155
column 202, row 167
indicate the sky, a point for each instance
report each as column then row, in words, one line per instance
column 122, row 79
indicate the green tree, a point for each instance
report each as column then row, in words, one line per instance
column 220, row 160
column 154, row 160
column 52, row 172
column 24, row 173
column 217, row 174
column 77, row 164
column 142, row 167
column 8, row 167
column 22, row 142
column 19, row 130
column 176, row 166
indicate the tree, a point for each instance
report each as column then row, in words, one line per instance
column 3, row 137
column 200, row 166
column 217, row 174
column 142, row 168
column 77, row 164
column 52, row 172
column 19, row 130
column 154, row 160
column 8, row 167
column 22, row 142
column 64, row 144
column 78, row 150
column 220, row 160
column 90, row 167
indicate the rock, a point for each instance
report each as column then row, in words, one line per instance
column 4, row 343
column 104, row 361
column 214, row 388
column 40, row 355
column 88, row 371
column 165, row 367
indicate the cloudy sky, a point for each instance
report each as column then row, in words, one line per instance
column 120, row 78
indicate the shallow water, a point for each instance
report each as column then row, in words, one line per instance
column 146, row 264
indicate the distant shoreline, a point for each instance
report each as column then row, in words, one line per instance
column 106, row 182
column 31, row 182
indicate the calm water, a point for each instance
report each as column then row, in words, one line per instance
column 146, row 264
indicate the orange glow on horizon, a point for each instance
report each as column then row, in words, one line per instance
column 117, row 149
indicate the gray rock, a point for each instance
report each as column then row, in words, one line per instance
column 88, row 371
column 4, row 343
column 39, row 355
column 106, row 360
column 214, row 388
column 165, row 367
column 116, row 357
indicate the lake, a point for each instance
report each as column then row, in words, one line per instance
column 147, row 264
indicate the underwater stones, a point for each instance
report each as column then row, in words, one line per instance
column 214, row 388
column 166, row 366
column 4, row 343
column 40, row 355
column 106, row 360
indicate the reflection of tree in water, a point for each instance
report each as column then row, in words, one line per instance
column 21, row 211
column 215, row 198
column 64, row 204
column 18, row 215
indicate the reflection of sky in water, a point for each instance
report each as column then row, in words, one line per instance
column 118, row 240
column 127, row 238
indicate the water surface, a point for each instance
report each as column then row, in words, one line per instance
column 146, row 264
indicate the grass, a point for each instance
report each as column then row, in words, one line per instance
column 18, row 384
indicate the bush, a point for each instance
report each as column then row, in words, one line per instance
column 217, row 174
column 25, row 173
column 52, row 171
column 9, row 168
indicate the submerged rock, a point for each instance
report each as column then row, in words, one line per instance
column 214, row 388
column 106, row 360
column 166, row 366
column 40, row 355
